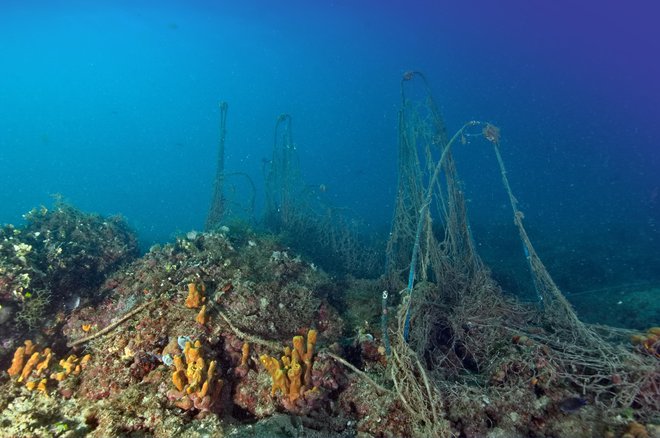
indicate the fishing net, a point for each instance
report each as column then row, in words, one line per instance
column 455, row 327
column 233, row 193
column 285, row 189
column 298, row 212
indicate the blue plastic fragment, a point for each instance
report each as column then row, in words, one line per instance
column 181, row 340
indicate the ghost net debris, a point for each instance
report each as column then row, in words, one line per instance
column 233, row 193
column 456, row 328
column 298, row 213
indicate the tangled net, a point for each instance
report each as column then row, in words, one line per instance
column 455, row 327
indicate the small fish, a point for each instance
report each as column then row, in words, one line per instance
column 571, row 404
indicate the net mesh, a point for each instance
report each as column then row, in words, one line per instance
column 233, row 193
column 298, row 212
column 455, row 326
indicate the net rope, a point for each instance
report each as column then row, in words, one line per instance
column 453, row 317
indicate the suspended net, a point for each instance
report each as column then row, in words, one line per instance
column 455, row 327
column 285, row 188
column 297, row 211
column 233, row 193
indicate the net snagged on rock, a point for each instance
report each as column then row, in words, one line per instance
column 455, row 329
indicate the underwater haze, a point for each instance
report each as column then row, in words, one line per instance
column 114, row 106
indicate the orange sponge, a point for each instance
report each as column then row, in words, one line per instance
column 18, row 362
column 195, row 296
column 294, row 381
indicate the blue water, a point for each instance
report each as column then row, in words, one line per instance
column 114, row 105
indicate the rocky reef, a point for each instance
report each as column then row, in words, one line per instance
column 229, row 333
